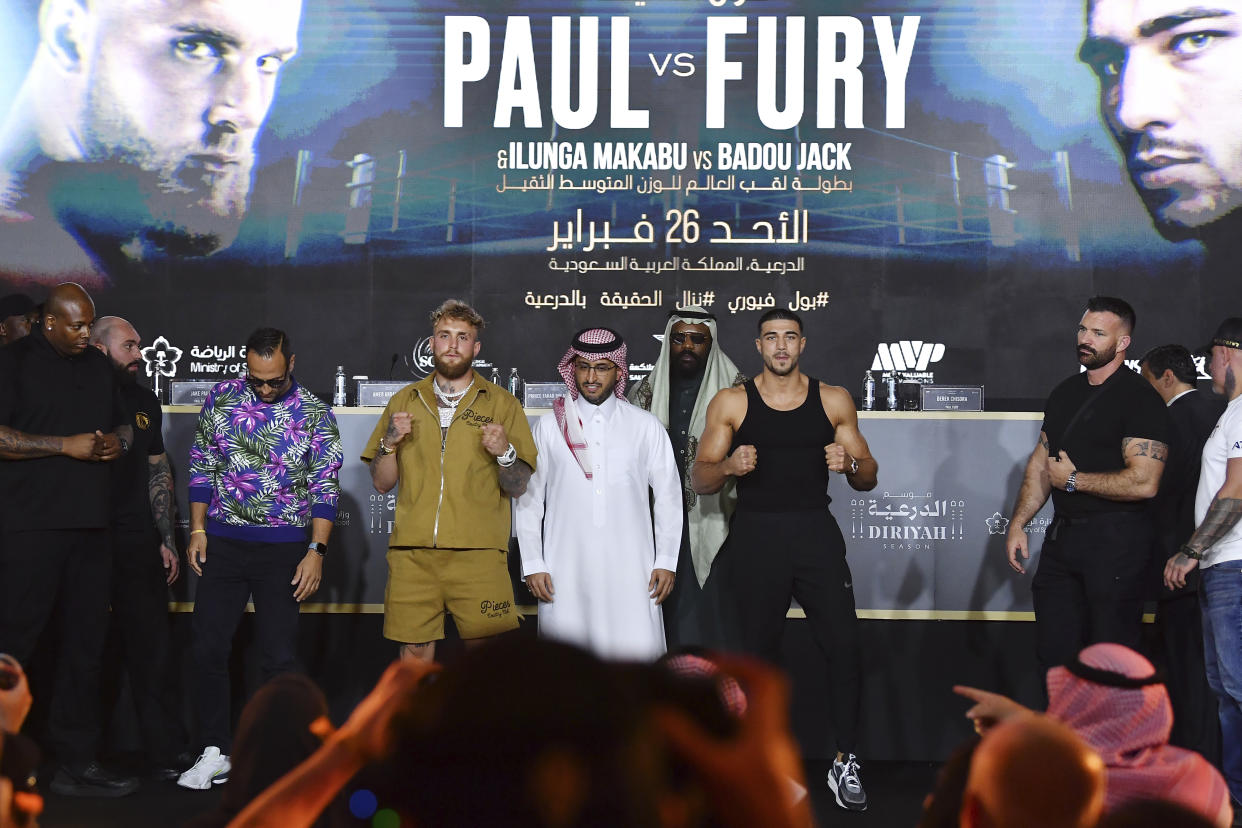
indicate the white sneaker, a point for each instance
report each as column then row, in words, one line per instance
column 845, row 784
column 211, row 768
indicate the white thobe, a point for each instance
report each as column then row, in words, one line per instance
column 595, row 537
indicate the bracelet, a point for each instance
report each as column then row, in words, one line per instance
column 198, row 531
column 508, row 458
column 1193, row 554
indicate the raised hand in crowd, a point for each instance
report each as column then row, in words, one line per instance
column 747, row 777
column 301, row 795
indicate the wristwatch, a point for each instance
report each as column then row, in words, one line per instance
column 853, row 466
column 1071, row 482
column 1193, row 554
column 384, row 450
column 508, row 458
column 320, row 548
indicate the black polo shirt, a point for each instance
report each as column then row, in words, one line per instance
column 131, row 475
column 47, row 394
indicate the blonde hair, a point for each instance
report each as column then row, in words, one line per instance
column 457, row 309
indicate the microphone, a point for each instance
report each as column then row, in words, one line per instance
column 392, row 366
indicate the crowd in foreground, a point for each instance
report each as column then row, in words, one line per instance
column 692, row 740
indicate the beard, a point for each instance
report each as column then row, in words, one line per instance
column 598, row 397
column 771, row 365
column 1095, row 359
column 1229, row 384
column 188, row 201
column 451, row 371
column 124, row 376
column 688, row 364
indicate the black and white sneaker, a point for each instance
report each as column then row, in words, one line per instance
column 845, row 784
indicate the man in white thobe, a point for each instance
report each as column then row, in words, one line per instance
column 592, row 554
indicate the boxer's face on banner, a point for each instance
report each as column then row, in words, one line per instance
column 1171, row 94
column 180, row 89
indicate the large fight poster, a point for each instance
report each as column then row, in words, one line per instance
column 935, row 187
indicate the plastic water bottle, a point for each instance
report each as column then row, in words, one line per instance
column 868, row 394
column 890, row 387
column 338, row 388
column 495, row 375
column 515, row 382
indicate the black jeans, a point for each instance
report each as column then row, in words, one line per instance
column 1090, row 584
column 234, row 571
column 140, row 613
column 770, row 556
column 64, row 572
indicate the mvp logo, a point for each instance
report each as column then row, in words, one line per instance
column 906, row 355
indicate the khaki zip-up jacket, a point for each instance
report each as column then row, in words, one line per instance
column 448, row 494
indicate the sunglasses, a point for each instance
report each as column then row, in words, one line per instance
column 274, row 383
column 680, row 337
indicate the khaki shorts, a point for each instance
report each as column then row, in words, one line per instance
column 423, row 584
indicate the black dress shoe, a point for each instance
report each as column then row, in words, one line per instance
column 167, row 770
column 91, row 780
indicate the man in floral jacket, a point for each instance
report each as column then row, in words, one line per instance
column 263, row 497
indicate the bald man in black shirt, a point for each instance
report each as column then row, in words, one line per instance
column 62, row 421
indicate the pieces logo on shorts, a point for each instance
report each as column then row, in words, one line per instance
column 142, row 420
column 495, row 609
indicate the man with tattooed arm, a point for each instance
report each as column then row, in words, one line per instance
column 460, row 447
column 1216, row 548
column 1100, row 454
column 62, row 423
column 144, row 554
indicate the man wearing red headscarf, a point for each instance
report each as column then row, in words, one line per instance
column 1116, row 701
column 591, row 552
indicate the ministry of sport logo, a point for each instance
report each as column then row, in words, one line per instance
column 906, row 355
column 161, row 358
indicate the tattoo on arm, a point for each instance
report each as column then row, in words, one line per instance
column 513, row 480
column 1154, row 449
column 126, row 433
column 14, row 445
column 1043, row 441
column 159, row 489
column 392, row 430
column 1222, row 515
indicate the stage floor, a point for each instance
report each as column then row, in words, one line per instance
column 896, row 791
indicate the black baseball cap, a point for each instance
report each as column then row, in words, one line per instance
column 16, row 304
column 1228, row 334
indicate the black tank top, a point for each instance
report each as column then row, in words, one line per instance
column 791, row 474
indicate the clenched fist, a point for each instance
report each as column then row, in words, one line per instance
column 495, row 441
column 838, row 458
column 742, row 461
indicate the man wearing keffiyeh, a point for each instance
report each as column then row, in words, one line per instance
column 689, row 371
column 599, row 525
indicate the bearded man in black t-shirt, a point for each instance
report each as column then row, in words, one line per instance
column 144, row 555
column 1100, row 455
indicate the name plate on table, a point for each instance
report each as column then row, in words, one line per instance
column 542, row 394
column 377, row 393
column 952, row 397
column 189, row 392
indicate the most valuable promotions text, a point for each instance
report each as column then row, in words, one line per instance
column 838, row 59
